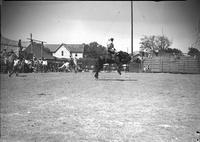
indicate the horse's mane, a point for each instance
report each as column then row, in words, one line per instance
column 123, row 54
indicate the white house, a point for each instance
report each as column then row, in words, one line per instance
column 65, row 50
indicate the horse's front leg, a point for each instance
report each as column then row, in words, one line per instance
column 96, row 75
column 119, row 69
column 98, row 68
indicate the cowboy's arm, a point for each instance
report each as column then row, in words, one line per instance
column 112, row 47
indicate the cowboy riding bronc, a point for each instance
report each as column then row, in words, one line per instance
column 111, row 49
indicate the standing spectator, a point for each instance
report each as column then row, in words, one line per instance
column 44, row 65
column 20, row 50
column 4, row 56
column 75, row 63
column 71, row 63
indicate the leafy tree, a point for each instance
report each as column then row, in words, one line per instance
column 94, row 50
column 163, row 42
column 148, row 43
column 153, row 43
column 173, row 51
column 193, row 51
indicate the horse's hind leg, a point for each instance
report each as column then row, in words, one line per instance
column 118, row 70
column 98, row 69
column 96, row 75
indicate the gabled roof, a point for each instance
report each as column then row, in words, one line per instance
column 74, row 48
column 36, row 48
column 52, row 47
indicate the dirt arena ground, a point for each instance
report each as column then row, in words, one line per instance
column 133, row 107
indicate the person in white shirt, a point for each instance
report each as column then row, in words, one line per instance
column 110, row 48
column 75, row 60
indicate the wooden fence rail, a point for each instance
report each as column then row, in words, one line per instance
column 183, row 64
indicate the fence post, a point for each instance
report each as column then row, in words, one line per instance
column 161, row 63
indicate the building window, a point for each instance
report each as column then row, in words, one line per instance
column 62, row 53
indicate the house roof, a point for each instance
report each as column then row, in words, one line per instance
column 52, row 47
column 74, row 48
column 37, row 51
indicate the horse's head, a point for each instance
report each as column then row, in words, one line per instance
column 124, row 57
column 12, row 57
column 137, row 58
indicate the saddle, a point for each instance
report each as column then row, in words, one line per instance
column 112, row 55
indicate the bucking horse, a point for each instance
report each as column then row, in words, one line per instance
column 14, row 65
column 119, row 59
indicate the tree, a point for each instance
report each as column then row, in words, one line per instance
column 94, row 50
column 148, row 43
column 153, row 43
column 193, row 51
column 173, row 51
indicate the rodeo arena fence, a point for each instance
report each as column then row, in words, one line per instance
column 155, row 64
column 183, row 64
column 162, row 64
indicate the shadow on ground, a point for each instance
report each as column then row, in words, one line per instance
column 21, row 76
column 43, row 94
column 114, row 79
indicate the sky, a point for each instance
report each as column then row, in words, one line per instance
column 77, row 22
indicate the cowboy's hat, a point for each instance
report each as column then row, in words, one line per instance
column 111, row 39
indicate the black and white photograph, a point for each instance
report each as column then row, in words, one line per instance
column 100, row 71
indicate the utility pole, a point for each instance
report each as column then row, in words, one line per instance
column 162, row 40
column 42, row 50
column 131, row 27
column 31, row 43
